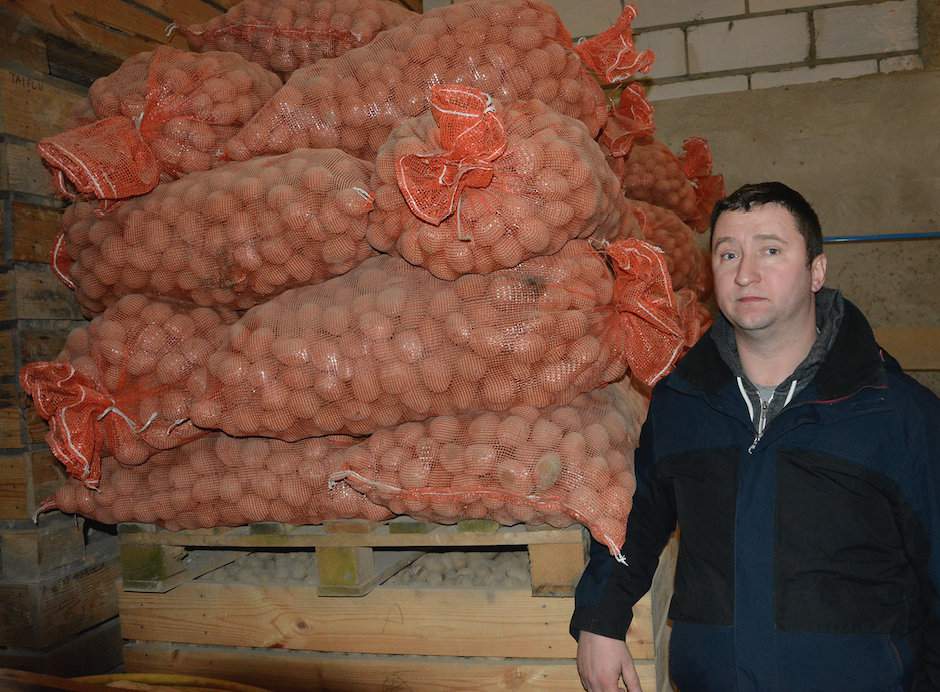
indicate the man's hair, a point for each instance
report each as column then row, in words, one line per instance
column 757, row 194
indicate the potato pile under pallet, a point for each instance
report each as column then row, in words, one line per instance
column 361, row 263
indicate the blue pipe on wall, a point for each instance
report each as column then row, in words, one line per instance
column 922, row 235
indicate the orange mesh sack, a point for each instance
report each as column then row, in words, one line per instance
column 556, row 466
column 164, row 121
column 688, row 266
column 232, row 236
column 650, row 172
column 283, row 35
column 630, row 120
column 222, row 481
column 511, row 49
column 389, row 343
column 472, row 187
column 709, row 189
column 384, row 344
column 121, row 383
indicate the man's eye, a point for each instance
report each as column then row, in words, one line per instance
column 773, row 251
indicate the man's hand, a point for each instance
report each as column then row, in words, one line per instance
column 603, row 661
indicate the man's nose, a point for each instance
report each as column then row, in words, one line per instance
column 747, row 272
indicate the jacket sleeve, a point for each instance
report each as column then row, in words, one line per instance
column 924, row 447
column 607, row 591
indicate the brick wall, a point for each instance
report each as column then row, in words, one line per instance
column 713, row 46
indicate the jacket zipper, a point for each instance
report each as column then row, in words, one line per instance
column 761, row 423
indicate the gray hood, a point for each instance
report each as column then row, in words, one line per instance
column 829, row 310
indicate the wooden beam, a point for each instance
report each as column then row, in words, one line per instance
column 34, row 108
column 301, row 671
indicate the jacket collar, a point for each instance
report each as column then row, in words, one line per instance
column 854, row 361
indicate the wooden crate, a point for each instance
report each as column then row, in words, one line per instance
column 28, row 550
column 43, row 612
column 289, row 636
column 91, row 652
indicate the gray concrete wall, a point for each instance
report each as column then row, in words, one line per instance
column 865, row 152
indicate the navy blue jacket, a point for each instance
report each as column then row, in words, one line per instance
column 810, row 562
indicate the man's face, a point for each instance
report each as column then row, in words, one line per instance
column 762, row 281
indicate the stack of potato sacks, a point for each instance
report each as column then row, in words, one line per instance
column 406, row 281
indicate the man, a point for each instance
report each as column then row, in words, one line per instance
column 801, row 467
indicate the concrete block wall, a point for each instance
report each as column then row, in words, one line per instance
column 714, row 46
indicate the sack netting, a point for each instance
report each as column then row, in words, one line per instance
column 511, row 49
column 159, row 116
column 475, row 185
column 230, row 237
column 385, row 343
column 688, row 264
column 284, row 35
column 223, row 481
column 556, row 466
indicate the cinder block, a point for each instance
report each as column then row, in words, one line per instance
column 821, row 73
column 587, row 18
column 744, row 43
column 697, row 87
column 900, row 63
column 660, row 12
column 866, row 29
column 669, row 47
column 772, row 5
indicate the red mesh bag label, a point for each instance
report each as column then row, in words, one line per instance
column 630, row 120
column 223, row 481
column 230, row 237
column 612, row 53
column 474, row 187
column 105, row 160
column 284, row 36
column 165, row 113
column 512, row 50
column 555, row 466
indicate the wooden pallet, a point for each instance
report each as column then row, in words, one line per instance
column 289, row 636
column 352, row 557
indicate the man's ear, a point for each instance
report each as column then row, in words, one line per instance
column 817, row 269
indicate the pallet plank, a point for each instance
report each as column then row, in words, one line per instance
column 555, row 569
column 344, row 571
column 388, row 620
column 295, row 671
column 193, row 566
column 314, row 536
column 20, row 45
